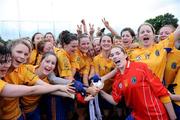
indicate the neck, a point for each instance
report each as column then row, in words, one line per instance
column 39, row 73
column 122, row 69
column 106, row 53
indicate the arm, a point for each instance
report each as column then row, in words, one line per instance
column 57, row 80
column 177, row 33
column 106, row 24
column 170, row 110
column 91, row 31
column 84, row 26
column 63, row 88
column 175, row 97
column 160, row 91
column 109, row 75
column 11, row 90
column 108, row 97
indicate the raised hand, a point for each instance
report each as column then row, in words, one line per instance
column 83, row 22
column 79, row 29
column 91, row 29
column 106, row 23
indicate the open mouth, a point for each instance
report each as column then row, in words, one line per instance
column 146, row 39
column 47, row 69
column 125, row 42
column 3, row 71
column 117, row 61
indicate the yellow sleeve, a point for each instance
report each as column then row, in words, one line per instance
column 165, row 99
column 168, row 42
column 2, row 85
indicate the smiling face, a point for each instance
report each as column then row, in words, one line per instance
column 71, row 47
column 20, row 54
column 106, row 43
column 84, row 44
column 48, row 64
column 164, row 32
column 119, row 57
column 146, row 35
column 5, row 63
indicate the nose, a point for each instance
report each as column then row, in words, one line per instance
column 7, row 65
column 22, row 56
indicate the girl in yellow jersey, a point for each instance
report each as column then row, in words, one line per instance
column 104, row 65
column 154, row 55
column 18, row 74
column 172, row 71
column 36, row 38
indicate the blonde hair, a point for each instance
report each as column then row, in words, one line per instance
column 20, row 41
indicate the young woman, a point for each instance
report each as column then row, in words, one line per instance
column 36, row 38
column 19, row 74
column 104, row 65
column 172, row 71
column 142, row 90
column 12, row 90
column 153, row 54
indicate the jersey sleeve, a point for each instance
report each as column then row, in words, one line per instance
column 156, row 85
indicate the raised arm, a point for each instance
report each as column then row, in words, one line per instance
column 84, row 26
column 107, row 25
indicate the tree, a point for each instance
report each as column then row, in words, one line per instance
column 161, row 20
column 1, row 40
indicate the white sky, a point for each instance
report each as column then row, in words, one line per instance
column 68, row 13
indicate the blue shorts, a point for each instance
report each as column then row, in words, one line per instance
column 53, row 107
column 177, row 110
column 34, row 115
column 21, row 118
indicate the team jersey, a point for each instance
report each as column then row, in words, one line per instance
column 172, row 66
column 83, row 62
column 20, row 76
column 30, row 103
column 102, row 67
column 142, row 90
column 155, row 57
column 64, row 65
column 2, row 85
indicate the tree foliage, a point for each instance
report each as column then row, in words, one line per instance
column 161, row 20
column 1, row 40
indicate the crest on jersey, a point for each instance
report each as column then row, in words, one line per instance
column 133, row 80
column 138, row 58
column 157, row 53
column 173, row 65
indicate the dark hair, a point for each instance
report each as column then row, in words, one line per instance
column 131, row 31
column 108, row 36
column 5, row 53
column 33, row 37
column 66, row 37
column 50, row 34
